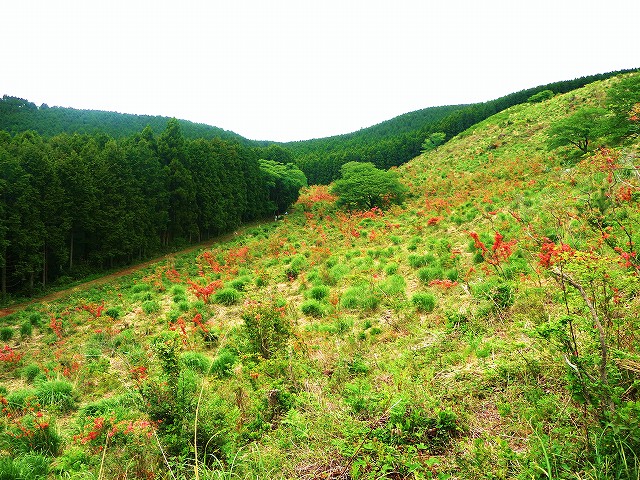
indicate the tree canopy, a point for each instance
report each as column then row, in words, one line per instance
column 578, row 130
column 363, row 187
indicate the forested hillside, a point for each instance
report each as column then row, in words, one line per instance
column 486, row 328
column 73, row 204
column 19, row 115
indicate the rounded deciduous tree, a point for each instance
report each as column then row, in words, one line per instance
column 363, row 187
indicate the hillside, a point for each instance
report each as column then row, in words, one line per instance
column 19, row 115
column 396, row 141
column 486, row 329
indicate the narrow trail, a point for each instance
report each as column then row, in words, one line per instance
column 125, row 271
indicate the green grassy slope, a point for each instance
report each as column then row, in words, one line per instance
column 365, row 345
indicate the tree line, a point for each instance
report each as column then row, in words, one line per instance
column 75, row 203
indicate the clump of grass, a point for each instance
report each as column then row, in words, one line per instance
column 222, row 365
column 319, row 292
column 337, row 272
column 150, row 306
column 359, row 297
column 35, row 319
column 417, row 261
column 6, row 334
column 31, row 372
column 21, row 399
column 196, row 361
column 113, row 312
column 391, row 268
column 297, row 265
column 393, row 285
column 26, row 328
column 140, row 287
column 426, row 274
column 57, row 394
column 313, row 308
column 424, row 301
column 240, row 283
column 227, row 296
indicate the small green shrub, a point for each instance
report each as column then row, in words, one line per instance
column 30, row 372
column 393, row 285
column 319, row 292
column 227, row 296
column 223, row 364
column 337, row 272
column 391, row 268
column 31, row 466
column 240, row 283
column 113, row 312
column 500, row 294
column 451, row 274
column 267, row 328
column 196, row 361
column 313, row 308
column 424, row 301
column 21, row 399
column 6, row 334
column 297, row 265
column 427, row 274
column 150, row 306
column 140, row 287
column 35, row 319
column 359, row 298
column 26, row 328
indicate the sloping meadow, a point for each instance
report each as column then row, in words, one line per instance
column 487, row 328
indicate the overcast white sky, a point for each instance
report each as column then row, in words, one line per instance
column 294, row 69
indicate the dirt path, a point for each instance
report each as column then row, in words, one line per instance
column 121, row 273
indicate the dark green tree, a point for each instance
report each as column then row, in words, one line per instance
column 284, row 183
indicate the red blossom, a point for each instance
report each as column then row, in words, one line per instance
column 550, row 253
column 446, row 283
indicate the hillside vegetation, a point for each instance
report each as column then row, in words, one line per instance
column 19, row 115
column 485, row 329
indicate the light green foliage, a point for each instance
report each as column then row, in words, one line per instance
column 579, row 130
column 150, row 306
column 196, row 361
column 363, row 187
column 296, row 266
column 319, row 292
column 359, row 297
column 223, row 364
column 433, row 141
column 540, row 96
